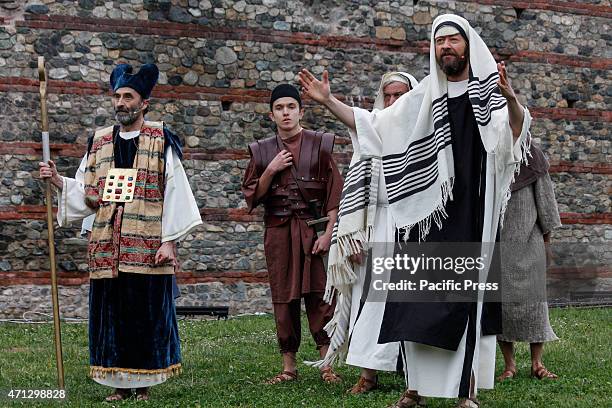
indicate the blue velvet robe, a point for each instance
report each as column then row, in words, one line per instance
column 132, row 318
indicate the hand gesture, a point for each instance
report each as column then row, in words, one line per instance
column 319, row 91
column 321, row 245
column 280, row 162
column 504, row 84
column 48, row 171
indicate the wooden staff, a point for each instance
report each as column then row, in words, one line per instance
column 42, row 77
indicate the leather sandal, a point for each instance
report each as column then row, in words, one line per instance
column 542, row 372
column 409, row 399
column 364, row 385
column 120, row 394
column 142, row 394
column 507, row 374
column 282, row 377
column 329, row 376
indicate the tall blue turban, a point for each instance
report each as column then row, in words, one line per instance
column 142, row 82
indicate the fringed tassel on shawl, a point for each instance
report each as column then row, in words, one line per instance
column 338, row 330
column 341, row 277
column 341, row 273
column 356, row 242
column 337, row 273
column 437, row 215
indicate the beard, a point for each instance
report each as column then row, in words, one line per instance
column 457, row 65
column 127, row 117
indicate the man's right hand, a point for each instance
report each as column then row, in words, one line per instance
column 280, row 162
column 319, row 91
column 49, row 171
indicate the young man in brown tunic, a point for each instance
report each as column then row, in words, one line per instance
column 294, row 176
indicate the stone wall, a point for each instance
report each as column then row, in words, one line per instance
column 218, row 61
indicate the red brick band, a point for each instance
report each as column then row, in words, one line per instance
column 39, row 212
column 74, row 150
column 79, row 278
column 142, row 27
column 182, row 92
column 570, row 7
column 43, row 278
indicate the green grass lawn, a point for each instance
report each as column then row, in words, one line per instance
column 225, row 362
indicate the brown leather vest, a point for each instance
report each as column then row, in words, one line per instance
column 286, row 198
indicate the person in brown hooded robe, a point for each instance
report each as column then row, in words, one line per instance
column 294, row 176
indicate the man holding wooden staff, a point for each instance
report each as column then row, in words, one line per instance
column 132, row 179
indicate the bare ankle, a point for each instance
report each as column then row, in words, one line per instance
column 368, row 374
column 289, row 362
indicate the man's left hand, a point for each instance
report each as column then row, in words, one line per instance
column 504, row 83
column 166, row 254
column 321, row 245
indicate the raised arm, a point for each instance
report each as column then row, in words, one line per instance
column 319, row 90
column 515, row 109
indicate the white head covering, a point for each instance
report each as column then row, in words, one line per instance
column 445, row 30
column 483, row 75
column 389, row 77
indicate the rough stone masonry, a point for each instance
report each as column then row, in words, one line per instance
column 218, row 61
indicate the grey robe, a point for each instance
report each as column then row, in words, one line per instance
column 531, row 213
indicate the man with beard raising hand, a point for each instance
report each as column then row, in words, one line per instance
column 448, row 150
column 132, row 180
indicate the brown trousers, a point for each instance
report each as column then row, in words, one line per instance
column 288, row 325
